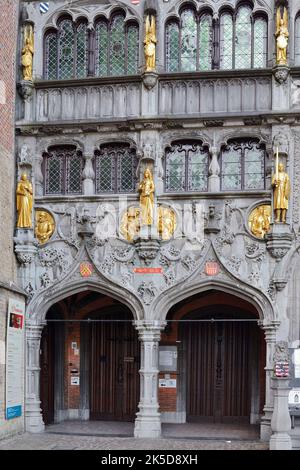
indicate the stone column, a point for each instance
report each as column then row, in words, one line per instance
column 88, row 174
column 281, row 421
column 147, row 423
column 33, row 417
column 270, row 337
column 214, row 172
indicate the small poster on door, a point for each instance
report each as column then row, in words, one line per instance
column 74, row 380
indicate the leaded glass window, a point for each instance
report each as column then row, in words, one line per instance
column 81, row 51
column 226, row 41
column 260, row 38
column 243, row 166
column 51, row 56
column 189, row 44
column 115, row 169
column 63, row 170
column 66, row 50
column 186, row 167
column 297, row 41
column 117, row 47
column 243, row 38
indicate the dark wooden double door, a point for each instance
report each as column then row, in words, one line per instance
column 114, row 370
column 219, row 361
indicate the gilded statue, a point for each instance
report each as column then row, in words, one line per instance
column 44, row 226
column 130, row 224
column 27, row 53
column 150, row 43
column 282, row 35
column 24, row 202
column 281, row 186
column 259, row 221
column 166, row 222
column 146, row 190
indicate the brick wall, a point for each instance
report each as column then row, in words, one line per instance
column 9, row 14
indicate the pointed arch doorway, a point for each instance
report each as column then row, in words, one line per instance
column 221, row 358
column 90, row 359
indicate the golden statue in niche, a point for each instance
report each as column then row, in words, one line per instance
column 44, row 226
column 282, row 35
column 146, row 190
column 27, row 52
column 150, row 43
column 166, row 222
column 282, row 187
column 24, row 202
column 259, row 220
column 130, row 224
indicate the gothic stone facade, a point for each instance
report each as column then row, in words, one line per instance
column 208, row 105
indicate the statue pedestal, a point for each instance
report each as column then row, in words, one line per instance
column 148, row 243
column 281, row 421
column 279, row 239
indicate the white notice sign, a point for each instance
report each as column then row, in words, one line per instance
column 15, row 358
column 166, row 358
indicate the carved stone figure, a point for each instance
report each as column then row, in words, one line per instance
column 259, row 220
column 150, row 43
column 24, row 202
column 281, row 185
column 27, row 53
column 44, row 226
column 146, row 190
column 282, row 35
column 130, row 224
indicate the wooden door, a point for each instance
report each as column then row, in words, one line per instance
column 47, row 374
column 115, row 354
column 218, row 370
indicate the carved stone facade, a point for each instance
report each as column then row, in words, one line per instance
column 212, row 107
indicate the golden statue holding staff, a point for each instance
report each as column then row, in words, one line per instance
column 27, row 52
column 24, row 202
column 150, row 43
column 44, row 226
column 282, row 187
column 146, row 190
column 282, row 35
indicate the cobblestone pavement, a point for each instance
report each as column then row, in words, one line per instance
column 89, row 435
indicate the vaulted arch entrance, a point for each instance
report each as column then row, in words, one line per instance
column 221, row 359
column 90, row 359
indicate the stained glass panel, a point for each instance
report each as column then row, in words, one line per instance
column 231, row 178
column 297, row 41
column 102, row 49
column 226, row 38
column 51, row 56
column 132, row 50
column 188, row 46
column 54, row 174
column 126, row 171
column 197, row 169
column 243, row 38
column 175, row 169
column 172, row 38
column 117, row 46
column 81, row 51
column 205, row 43
column 66, row 50
column 254, row 168
column 260, row 43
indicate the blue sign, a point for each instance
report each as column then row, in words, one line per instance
column 14, row 412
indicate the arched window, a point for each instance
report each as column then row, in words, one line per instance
column 116, row 166
column 189, row 43
column 66, row 51
column 117, row 47
column 69, row 52
column 196, row 42
column 63, row 167
column 186, row 166
column 243, row 165
column 243, row 40
column 297, row 40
